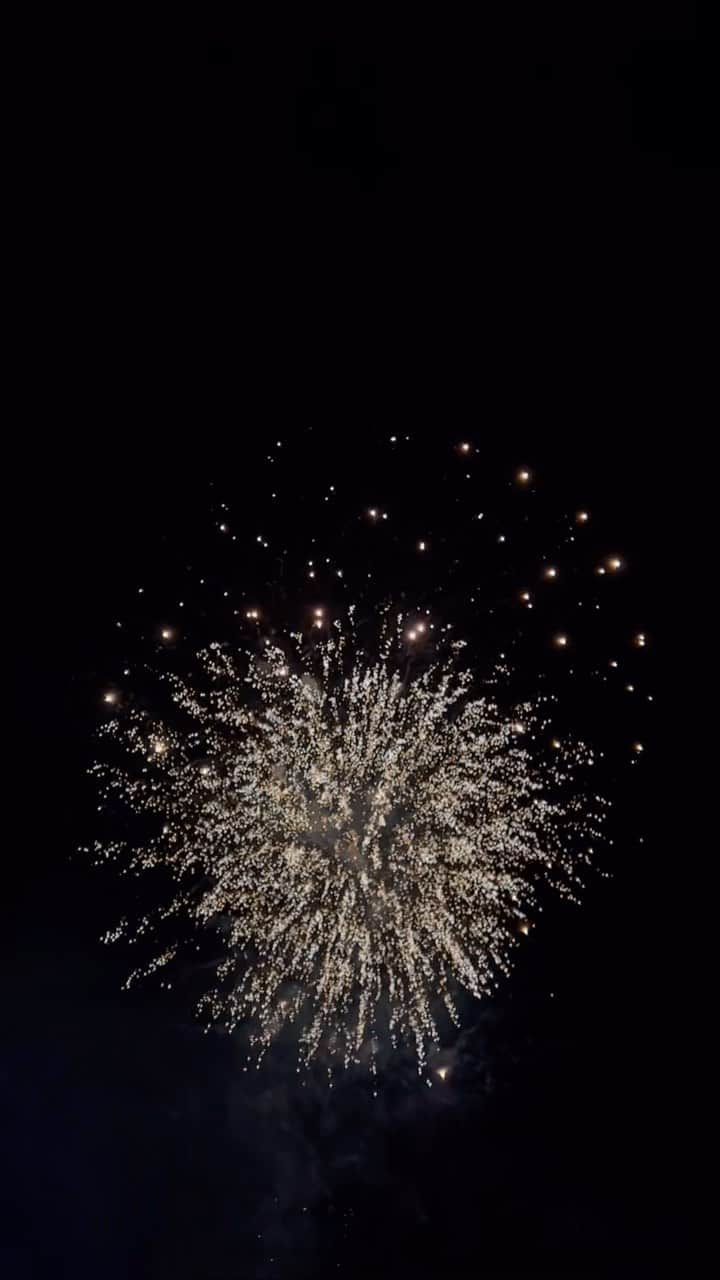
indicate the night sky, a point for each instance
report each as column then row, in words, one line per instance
column 333, row 238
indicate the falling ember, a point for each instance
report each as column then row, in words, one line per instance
column 560, row 641
column 360, row 839
column 523, row 477
column 551, row 572
column 641, row 640
column 582, row 517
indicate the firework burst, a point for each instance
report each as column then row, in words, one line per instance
column 364, row 826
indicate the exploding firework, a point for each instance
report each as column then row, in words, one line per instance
column 365, row 811
column 366, row 837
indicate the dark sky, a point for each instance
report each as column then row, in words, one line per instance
column 498, row 233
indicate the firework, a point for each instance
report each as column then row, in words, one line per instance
column 364, row 828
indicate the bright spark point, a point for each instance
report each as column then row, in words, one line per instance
column 614, row 563
column 442, row 1072
column 638, row 747
column 560, row 640
column 464, row 447
column 360, row 839
column 110, row 697
column 166, row 633
column 641, row 640
column 422, row 546
column 551, row 573
column 523, row 477
column 582, row 517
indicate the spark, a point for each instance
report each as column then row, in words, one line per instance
column 582, row 517
column 551, row 572
column 361, row 841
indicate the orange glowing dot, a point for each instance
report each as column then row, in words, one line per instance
column 582, row 517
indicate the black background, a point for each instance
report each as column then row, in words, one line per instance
column 502, row 233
